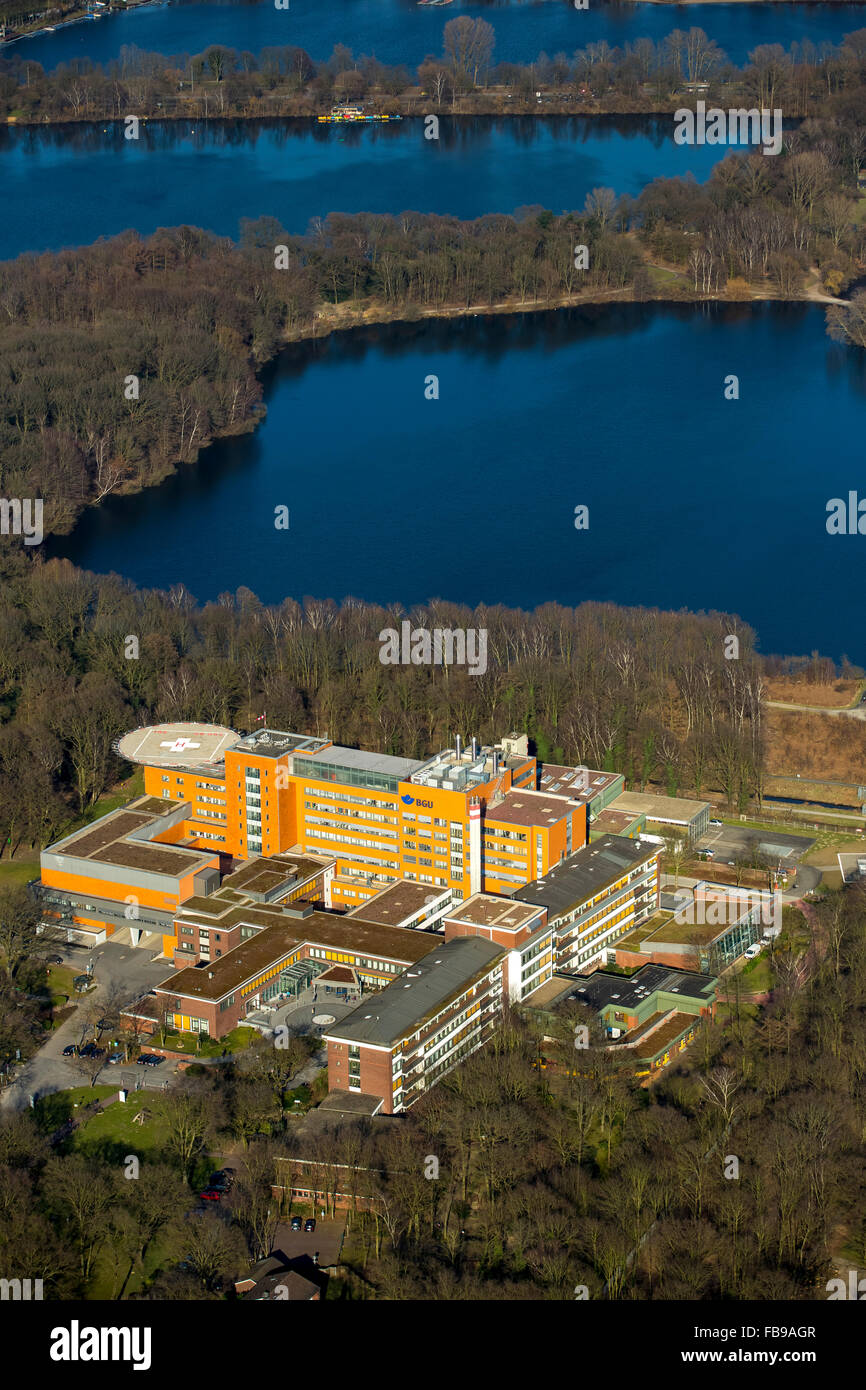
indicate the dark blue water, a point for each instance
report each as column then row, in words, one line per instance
column 68, row 185
column 399, row 31
column 694, row 501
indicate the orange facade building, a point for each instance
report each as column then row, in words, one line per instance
column 468, row 819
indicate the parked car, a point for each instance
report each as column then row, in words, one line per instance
column 54, row 960
column 210, row 1194
column 220, row 1181
column 752, row 951
column 116, row 1059
column 716, row 823
column 91, row 1050
column 310, row 1224
column 150, row 1059
column 70, row 1051
column 296, row 1223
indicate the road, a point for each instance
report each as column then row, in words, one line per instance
column 858, row 712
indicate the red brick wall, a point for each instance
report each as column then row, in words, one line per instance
column 376, row 1074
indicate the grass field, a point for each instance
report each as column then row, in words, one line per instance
column 235, row 1041
column 113, row 1134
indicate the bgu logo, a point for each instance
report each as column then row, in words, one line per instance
column 408, row 800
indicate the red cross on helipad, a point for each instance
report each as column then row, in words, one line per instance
column 180, row 745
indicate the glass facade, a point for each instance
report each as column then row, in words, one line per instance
column 319, row 771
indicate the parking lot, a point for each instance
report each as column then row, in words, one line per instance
column 729, row 843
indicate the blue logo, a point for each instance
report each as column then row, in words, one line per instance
column 407, row 800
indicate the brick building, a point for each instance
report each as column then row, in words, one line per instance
column 398, row 1044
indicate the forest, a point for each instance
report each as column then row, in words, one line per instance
column 642, row 76
column 551, row 1182
column 646, row 693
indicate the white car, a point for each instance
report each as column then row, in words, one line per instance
column 716, row 822
column 752, row 951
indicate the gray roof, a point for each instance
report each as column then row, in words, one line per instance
column 419, row 993
column 600, row 988
column 585, row 873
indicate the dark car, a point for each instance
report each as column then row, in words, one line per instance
column 296, row 1223
column 54, row 960
column 70, row 1051
column 221, row 1181
column 150, row 1059
column 210, row 1194
column 91, row 1050
column 310, row 1224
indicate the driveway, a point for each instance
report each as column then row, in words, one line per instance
column 114, row 967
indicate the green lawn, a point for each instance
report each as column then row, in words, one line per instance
column 235, row 1041
column 60, row 979
column 53, row 1110
column 113, row 1133
column 757, row 974
column 18, row 872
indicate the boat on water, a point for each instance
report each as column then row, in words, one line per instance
column 435, row 3
column 343, row 115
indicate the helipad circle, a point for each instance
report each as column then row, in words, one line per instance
column 177, row 745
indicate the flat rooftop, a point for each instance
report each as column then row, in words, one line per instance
column 467, row 769
column 601, row 988
column 266, row 874
column 449, row 969
column 527, row 808
column 585, row 873
column 579, row 783
column 490, row 910
column 613, row 822
column 274, row 743
column 397, row 902
column 107, row 842
column 673, row 808
column 281, row 938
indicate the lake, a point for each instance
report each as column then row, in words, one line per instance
column 694, row 501
column 68, row 185
column 401, row 31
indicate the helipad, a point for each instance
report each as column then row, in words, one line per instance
column 177, row 745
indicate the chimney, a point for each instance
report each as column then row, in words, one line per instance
column 496, row 762
column 474, row 747
column 457, row 747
